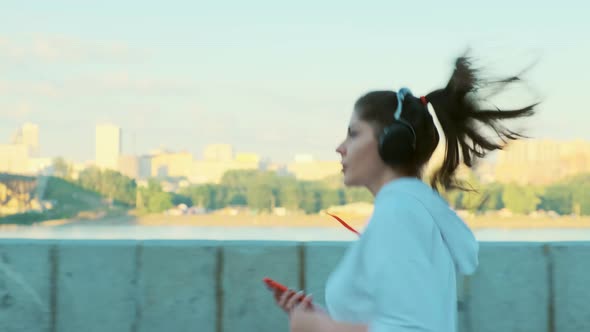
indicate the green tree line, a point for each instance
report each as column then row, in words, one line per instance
column 566, row 197
column 263, row 191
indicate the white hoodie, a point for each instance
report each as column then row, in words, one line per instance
column 401, row 273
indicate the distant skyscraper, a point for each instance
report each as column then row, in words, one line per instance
column 108, row 146
column 28, row 135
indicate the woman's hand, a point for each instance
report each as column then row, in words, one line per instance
column 289, row 299
column 304, row 316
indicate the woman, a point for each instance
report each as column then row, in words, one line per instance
column 401, row 273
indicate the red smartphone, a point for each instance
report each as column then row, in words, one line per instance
column 275, row 285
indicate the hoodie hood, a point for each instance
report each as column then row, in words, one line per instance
column 457, row 236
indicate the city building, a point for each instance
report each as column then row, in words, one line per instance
column 129, row 165
column 218, row 152
column 28, row 135
column 218, row 159
column 14, row 158
column 108, row 146
column 172, row 164
column 306, row 168
column 542, row 161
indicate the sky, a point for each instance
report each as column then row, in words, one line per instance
column 271, row 77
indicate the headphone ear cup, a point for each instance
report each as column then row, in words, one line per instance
column 396, row 144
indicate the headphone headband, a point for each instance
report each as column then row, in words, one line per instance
column 401, row 95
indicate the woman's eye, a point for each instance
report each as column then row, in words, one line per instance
column 352, row 133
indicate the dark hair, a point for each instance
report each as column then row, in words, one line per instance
column 460, row 114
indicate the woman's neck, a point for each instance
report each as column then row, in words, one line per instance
column 387, row 176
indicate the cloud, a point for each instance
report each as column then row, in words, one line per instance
column 63, row 49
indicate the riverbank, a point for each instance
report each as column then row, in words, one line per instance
column 319, row 220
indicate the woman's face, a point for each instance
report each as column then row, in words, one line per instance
column 361, row 163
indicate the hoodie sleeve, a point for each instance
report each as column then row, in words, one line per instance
column 398, row 253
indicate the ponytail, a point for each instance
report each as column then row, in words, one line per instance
column 460, row 117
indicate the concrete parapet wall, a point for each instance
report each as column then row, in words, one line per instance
column 211, row 286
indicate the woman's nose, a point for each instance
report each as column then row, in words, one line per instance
column 340, row 149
